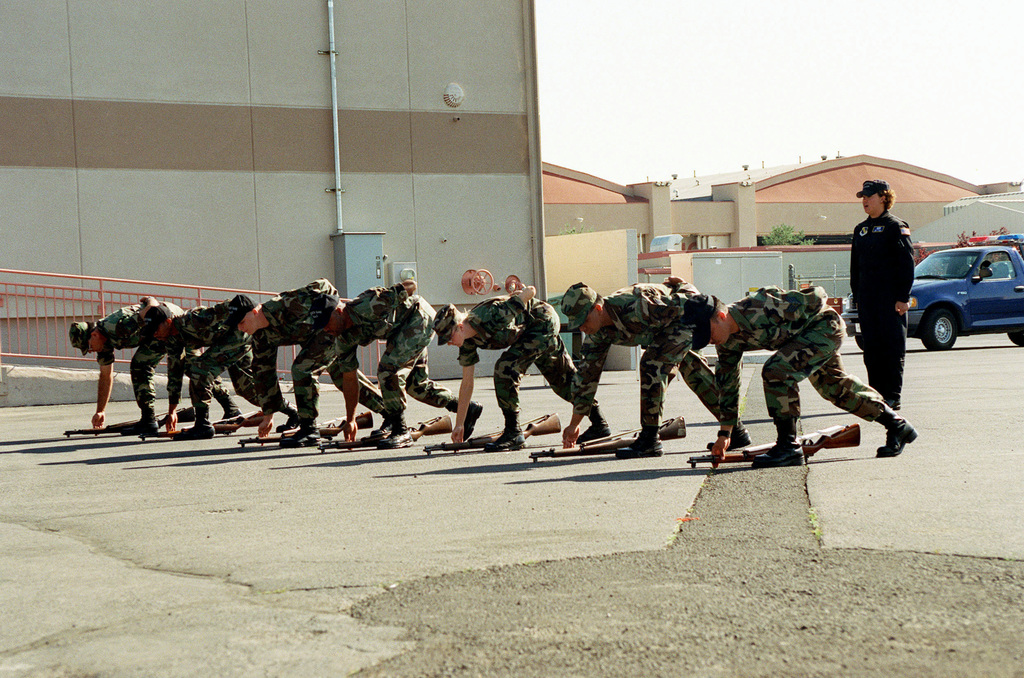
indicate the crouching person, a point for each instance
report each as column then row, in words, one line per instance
column 806, row 335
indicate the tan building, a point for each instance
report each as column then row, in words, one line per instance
column 194, row 141
column 734, row 210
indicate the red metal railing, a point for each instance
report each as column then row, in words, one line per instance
column 37, row 308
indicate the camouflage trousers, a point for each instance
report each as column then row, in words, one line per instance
column 661, row 361
column 539, row 345
column 204, row 372
column 369, row 394
column 814, row 355
column 143, row 368
column 403, row 366
column 306, row 371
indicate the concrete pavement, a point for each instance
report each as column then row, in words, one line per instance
column 120, row 557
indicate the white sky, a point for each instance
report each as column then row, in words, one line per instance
column 632, row 90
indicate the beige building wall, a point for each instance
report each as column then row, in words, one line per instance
column 606, row 261
column 184, row 141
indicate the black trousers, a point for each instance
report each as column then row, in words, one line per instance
column 884, row 336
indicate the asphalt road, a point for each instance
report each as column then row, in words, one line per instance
column 127, row 558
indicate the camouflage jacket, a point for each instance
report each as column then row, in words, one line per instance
column 202, row 327
column 288, row 314
column 123, row 329
column 767, row 319
column 639, row 314
column 375, row 314
column 498, row 323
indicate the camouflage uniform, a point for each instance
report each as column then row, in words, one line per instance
column 226, row 348
column 123, row 329
column 529, row 332
column 806, row 335
column 647, row 315
column 406, row 324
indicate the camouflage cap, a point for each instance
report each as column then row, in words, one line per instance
column 697, row 312
column 577, row 302
column 444, row 323
column 79, row 333
column 321, row 309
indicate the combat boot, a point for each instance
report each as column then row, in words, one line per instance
column 898, row 433
column 306, row 435
column 647, row 444
column 787, row 450
column 399, row 436
column 384, row 430
column 739, row 438
column 598, row 427
column 201, row 430
column 231, row 410
column 145, row 427
column 292, row 421
column 511, row 438
column 472, row 415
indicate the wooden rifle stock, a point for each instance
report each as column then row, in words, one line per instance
column 826, row 439
column 435, row 426
column 231, row 425
column 545, row 425
column 672, row 429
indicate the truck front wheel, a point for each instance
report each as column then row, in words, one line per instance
column 938, row 330
column 1016, row 337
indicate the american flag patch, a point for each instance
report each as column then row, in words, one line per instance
column 904, row 230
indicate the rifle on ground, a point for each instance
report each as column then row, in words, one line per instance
column 185, row 415
column 328, row 430
column 544, row 425
column 672, row 429
column 436, row 426
column 229, row 425
column 825, row 439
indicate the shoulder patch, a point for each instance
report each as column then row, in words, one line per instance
column 904, row 230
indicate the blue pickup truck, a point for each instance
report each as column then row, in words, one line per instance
column 963, row 291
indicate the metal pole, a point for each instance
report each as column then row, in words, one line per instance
column 334, row 114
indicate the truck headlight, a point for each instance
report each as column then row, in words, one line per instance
column 913, row 302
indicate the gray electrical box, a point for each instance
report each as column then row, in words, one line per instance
column 401, row 270
column 358, row 262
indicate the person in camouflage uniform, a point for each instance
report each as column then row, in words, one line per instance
column 295, row 317
column 647, row 315
column 528, row 329
column 404, row 320
column 806, row 335
column 214, row 328
column 119, row 330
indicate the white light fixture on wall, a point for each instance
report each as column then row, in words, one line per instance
column 453, row 95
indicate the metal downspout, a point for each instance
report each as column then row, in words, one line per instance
column 533, row 132
column 334, row 115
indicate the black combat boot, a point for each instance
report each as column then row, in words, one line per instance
column 201, row 430
column 399, row 436
column 292, row 421
column 145, row 427
column 787, row 450
column 511, row 438
column 472, row 415
column 740, row 438
column 647, row 444
column 384, row 430
column 231, row 410
column 306, row 435
column 598, row 427
column 898, row 433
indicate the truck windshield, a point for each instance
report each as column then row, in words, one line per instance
column 945, row 265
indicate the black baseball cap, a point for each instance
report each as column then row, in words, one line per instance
column 697, row 313
column 239, row 306
column 873, row 186
column 321, row 309
column 155, row 317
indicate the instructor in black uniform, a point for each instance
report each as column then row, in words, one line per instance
column 881, row 274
